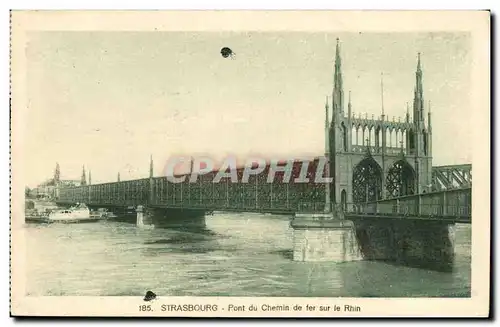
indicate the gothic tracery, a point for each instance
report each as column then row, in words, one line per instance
column 367, row 181
column 400, row 179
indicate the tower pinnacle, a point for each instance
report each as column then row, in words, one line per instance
column 151, row 167
column 382, row 92
column 429, row 125
column 407, row 112
column 327, row 129
column 418, row 100
column 349, row 106
column 338, row 92
column 327, row 113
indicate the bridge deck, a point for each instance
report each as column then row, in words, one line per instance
column 259, row 196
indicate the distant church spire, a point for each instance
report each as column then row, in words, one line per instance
column 57, row 174
column 90, row 177
column 118, row 177
column 338, row 92
column 83, row 180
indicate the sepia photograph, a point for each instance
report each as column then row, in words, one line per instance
column 168, row 170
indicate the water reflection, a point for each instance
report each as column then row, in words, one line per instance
column 236, row 255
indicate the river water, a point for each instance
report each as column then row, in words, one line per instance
column 236, row 255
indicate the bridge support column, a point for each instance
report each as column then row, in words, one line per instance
column 170, row 218
column 428, row 244
column 415, row 243
column 144, row 216
column 322, row 237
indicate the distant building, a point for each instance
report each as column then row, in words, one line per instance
column 49, row 188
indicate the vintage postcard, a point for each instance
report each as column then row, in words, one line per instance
column 250, row 163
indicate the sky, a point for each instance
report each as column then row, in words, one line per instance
column 110, row 100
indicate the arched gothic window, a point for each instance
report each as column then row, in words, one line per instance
column 424, row 134
column 400, row 179
column 411, row 140
column 343, row 130
column 367, row 181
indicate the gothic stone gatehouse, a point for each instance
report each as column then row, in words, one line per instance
column 372, row 159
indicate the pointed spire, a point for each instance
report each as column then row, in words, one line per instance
column 418, row 101
column 83, row 180
column 349, row 106
column 118, row 177
column 151, row 166
column 407, row 112
column 382, row 92
column 327, row 129
column 57, row 174
column 338, row 60
column 429, row 125
column 327, row 113
column 338, row 93
column 90, row 177
column 334, row 113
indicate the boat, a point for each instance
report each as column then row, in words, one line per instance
column 110, row 215
column 78, row 213
column 34, row 216
column 100, row 213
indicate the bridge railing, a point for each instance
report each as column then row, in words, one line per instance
column 405, row 210
column 311, row 207
column 401, row 210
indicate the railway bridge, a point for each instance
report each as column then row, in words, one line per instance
column 385, row 200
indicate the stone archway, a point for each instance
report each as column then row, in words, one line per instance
column 400, row 180
column 367, row 181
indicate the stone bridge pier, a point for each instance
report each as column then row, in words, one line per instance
column 155, row 217
column 415, row 243
column 324, row 237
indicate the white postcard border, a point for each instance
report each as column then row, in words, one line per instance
column 477, row 23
